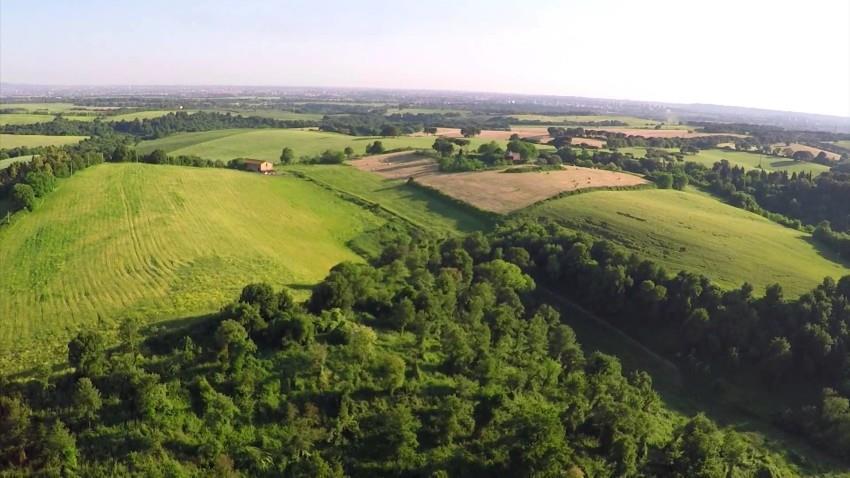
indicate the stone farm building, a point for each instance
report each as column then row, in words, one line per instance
column 258, row 166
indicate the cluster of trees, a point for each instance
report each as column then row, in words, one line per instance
column 561, row 123
column 125, row 154
column 726, row 335
column 435, row 361
column 20, row 151
column 803, row 196
column 666, row 170
column 151, row 128
column 487, row 155
column 60, row 126
column 837, row 241
column 23, row 182
column 200, row 121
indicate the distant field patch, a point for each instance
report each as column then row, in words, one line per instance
column 160, row 242
column 695, row 232
column 24, row 118
column 266, row 144
column 743, row 159
column 843, row 144
column 502, row 193
column 631, row 121
column 661, row 133
column 16, row 140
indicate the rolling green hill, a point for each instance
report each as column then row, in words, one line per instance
column 691, row 231
column 160, row 241
column 267, row 143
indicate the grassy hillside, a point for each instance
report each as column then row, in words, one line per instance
column 24, row 118
column 5, row 163
column 267, row 143
column 160, row 241
column 690, row 231
column 740, row 158
column 416, row 205
column 15, row 140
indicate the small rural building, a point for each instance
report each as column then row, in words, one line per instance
column 513, row 156
column 258, row 166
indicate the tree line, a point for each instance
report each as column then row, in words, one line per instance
column 728, row 336
column 152, row 128
column 435, row 360
column 378, row 124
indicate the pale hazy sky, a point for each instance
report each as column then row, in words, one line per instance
column 779, row 54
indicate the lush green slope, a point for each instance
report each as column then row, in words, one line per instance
column 23, row 118
column 16, row 140
column 416, row 205
column 690, row 231
column 740, row 158
column 267, row 143
column 162, row 241
column 5, row 163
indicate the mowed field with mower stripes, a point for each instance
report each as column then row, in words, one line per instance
column 160, row 241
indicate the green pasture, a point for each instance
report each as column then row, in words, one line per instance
column 694, row 232
column 16, row 140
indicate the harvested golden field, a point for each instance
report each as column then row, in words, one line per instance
column 397, row 165
column 794, row 147
column 501, row 192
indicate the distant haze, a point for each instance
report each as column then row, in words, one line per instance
column 780, row 54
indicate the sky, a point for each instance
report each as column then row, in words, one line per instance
column 777, row 54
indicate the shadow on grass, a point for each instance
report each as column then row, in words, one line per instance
column 745, row 408
column 827, row 253
column 173, row 328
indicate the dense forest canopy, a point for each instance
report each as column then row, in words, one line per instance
column 437, row 360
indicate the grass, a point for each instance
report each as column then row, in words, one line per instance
column 694, row 232
column 741, row 158
column 31, row 140
column 266, row 144
column 844, row 144
column 5, row 163
column 138, row 115
column 160, row 242
column 423, row 208
column 24, row 118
